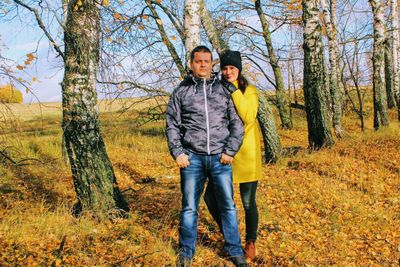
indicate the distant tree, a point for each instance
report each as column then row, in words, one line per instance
column 389, row 74
column 9, row 94
column 381, row 117
column 319, row 133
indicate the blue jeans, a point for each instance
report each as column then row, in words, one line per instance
column 192, row 184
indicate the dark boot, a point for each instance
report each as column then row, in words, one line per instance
column 183, row 262
column 239, row 261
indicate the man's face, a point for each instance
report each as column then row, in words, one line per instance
column 201, row 65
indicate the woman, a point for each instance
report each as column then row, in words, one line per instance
column 246, row 166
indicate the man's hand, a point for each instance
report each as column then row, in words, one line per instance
column 225, row 159
column 182, row 160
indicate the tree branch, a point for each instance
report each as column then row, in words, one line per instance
column 43, row 27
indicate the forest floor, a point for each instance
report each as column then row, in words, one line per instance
column 338, row 206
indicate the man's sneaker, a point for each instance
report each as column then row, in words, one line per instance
column 239, row 261
column 183, row 262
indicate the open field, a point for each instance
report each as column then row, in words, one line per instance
column 338, row 206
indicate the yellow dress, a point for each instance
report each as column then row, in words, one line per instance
column 246, row 165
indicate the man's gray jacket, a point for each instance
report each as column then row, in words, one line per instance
column 201, row 118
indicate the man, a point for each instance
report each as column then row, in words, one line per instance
column 204, row 133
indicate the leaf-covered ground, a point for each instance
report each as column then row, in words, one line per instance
column 338, row 206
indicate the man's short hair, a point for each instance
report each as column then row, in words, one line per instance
column 200, row 48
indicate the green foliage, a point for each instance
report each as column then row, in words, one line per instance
column 9, row 94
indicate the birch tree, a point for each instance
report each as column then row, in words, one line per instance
column 281, row 98
column 334, row 75
column 394, row 18
column 381, row 117
column 192, row 27
column 319, row 134
column 92, row 172
column 389, row 72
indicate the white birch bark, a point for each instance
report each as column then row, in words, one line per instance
column 329, row 19
column 314, row 87
column 381, row 117
column 192, row 27
column 394, row 18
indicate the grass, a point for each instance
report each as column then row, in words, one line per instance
column 337, row 206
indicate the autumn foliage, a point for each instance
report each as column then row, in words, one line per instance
column 336, row 206
column 9, row 94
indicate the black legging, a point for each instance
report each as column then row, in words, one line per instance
column 248, row 196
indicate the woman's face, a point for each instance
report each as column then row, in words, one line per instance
column 230, row 73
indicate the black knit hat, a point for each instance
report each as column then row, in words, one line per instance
column 233, row 58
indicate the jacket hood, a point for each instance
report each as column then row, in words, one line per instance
column 190, row 79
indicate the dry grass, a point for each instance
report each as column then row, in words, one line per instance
column 338, row 206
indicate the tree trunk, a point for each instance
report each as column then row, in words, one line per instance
column 192, row 27
column 334, row 85
column 319, row 134
column 264, row 115
column 213, row 35
column 389, row 74
column 282, row 100
column 381, row 117
column 395, row 48
column 92, row 172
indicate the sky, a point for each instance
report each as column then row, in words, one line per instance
column 19, row 39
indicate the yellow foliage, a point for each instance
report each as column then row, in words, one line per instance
column 9, row 94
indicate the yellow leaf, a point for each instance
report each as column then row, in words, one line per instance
column 145, row 17
column 173, row 37
column 158, row 1
column 108, row 39
column 106, row 3
column 116, row 15
column 141, row 27
column 79, row 3
column 159, row 22
column 27, row 62
column 30, row 56
column 20, row 67
column 126, row 29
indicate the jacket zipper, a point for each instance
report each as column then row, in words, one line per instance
column 207, row 120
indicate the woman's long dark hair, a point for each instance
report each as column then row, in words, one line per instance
column 242, row 82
